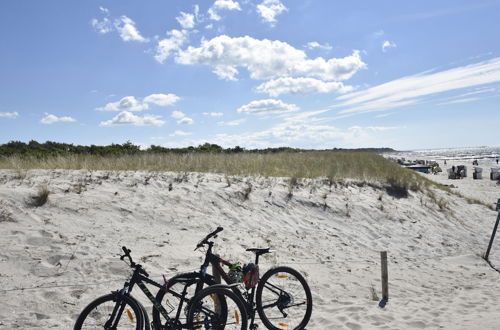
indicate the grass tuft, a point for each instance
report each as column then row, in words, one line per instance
column 41, row 197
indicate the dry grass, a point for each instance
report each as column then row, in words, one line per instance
column 335, row 165
column 40, row 198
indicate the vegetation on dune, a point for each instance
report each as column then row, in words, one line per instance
column 363, row 165
column 336, row 165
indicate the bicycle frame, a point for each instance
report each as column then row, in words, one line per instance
column 140, row 280
column 215, row 261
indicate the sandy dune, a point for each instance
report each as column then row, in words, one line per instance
column 64, row 253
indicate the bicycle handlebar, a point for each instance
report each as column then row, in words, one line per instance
column 209, row 236
column 132, row 263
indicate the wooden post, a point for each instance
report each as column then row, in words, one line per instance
column 385, row 276
column 486, row 256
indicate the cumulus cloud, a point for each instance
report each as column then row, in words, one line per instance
column 128, row 118
column 266, row 59
column 10, row 115
column 178, row 114
column 180, row 133
column 313, row 135
column 301, row 86
column 128, row 103
column 162, row 99
column 416, row 88
column 51, row 119
column 102, row 26
column 124, row 25
column 174, row 42
column 182, row 118
column 128, row 32
column 267, row 106
column 186, row 20
column 185, row 121
column 219, row 5
column 213, row 114
column 315, row 44
column 269, row 9
column 388, row 44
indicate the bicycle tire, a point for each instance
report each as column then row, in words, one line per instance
column 270, row 313
column 203, row 313
column 135, row 316
column 176, row 286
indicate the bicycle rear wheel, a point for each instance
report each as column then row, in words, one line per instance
column 283, row 299
column 217, row 308
column 106, row 313
column 172, row 298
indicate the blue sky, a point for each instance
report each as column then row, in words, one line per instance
column 263, row 73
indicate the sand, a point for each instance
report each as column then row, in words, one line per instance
column 56, row 258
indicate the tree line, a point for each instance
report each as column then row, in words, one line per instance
column 50, row 148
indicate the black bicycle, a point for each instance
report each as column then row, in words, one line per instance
column 281, row 298
column 215, row 307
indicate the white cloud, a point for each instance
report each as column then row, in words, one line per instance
column 125, row 26
column 161, row 99
column 219, row 5
column 128, row 32
column 413, row 89
column 266, row 59
column 182, row 118
column 267, row 106
column 128, row 118
column 51, row 119
column 128, row 103
column 180, row 133
column 178, row 114
column 104, row 26
column 315, row 44
column 171, row 44
column 213, row 114
column 186, row 20
column 231, row 122
column 10, row 115
column 269, row 9
column 388, row 44
column 458, row 101
column 301, row 86
column 185, row 121
column 312, row 135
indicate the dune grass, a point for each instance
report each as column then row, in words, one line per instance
column 336, row 165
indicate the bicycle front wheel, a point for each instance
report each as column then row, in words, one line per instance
column 217, row 308
column 283, row 299
column 107, row 313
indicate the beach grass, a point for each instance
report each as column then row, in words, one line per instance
column 335, row 165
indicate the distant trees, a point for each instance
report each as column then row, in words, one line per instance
column 50, row 148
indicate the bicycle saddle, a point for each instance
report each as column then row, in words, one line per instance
column 259, row 251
